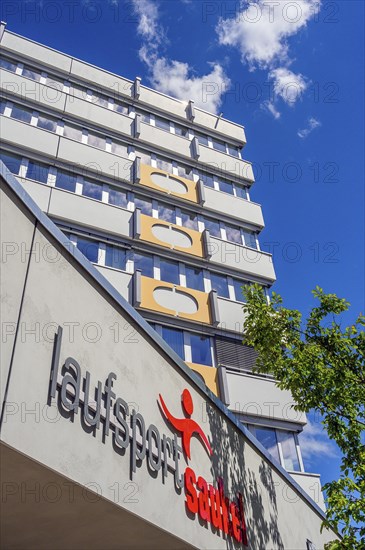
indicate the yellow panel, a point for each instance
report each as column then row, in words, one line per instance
column 148, row 285
column 192, row 192
column 147, row 222
column 210, row 375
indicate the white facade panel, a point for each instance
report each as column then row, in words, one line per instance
column 28, row 137
column 235, row 207
column 115, row 85
column 231, row 316
column 119, row 279
column 226, row 163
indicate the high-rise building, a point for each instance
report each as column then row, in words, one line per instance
column 157, row 194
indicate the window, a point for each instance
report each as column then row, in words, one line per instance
column 169, row 271
column 189, row 220
column 21, row 113
column 143, row 205
column 175, row 339
column 12, row 162
column 118, row 198
column 92, row 190
column 213, row 227
column 200, row 349
column 145, row 117
column 72, row 132
column 90, row 249
column 115, row 257
column 181, row 130
column 100, row 100
column 37, row 171
column 78, row 91
column 55, row 82
column 185, row 172
column 96, row 140
column 220, row 284
column 120, row 108
column 226, row 186
column 119, row 148
column 66, row 180
column 8, row 65
column 34, row 74
column 202, row 139
column 237, row 285
column 162, row 123
column 166, row 213
column 250, row 239
column 267, row 438
column 219, row 145
column 232, row 150
column 241, row 191
column 144, row 156
column 207, row 179
column 289, row 450
column 3, row 103
column 194, row 278
column 233, row 234
column 47, row 123
column 164, row 164
column 144, row 263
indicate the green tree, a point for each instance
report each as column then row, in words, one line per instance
column 322, row 364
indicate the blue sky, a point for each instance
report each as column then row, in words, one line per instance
column 293, row 78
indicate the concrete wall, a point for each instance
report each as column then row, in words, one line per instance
column 235, row 207
column 58, row 291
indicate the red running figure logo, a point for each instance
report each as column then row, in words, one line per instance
column 186, row 426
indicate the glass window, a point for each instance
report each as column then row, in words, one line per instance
column 250, row 239
column 66, row 180
column 190, row 220
column 144, row 263
column 34, row 74
column 3, row 103
column 99, row 99
column 220, row 284
column 241, row 191
column 289, row 450
column 162, row 123
column 219, row 145
column 21, row 113
column 185, row 172
column 238, row 289
column 118, row 198
column 96, row 140
column 78, row 91
column 200, row 349
column 194, row 278
column 225, row 186
column 72, row 132
column 115, row 257
column 119, row 148
column 233, row 234
column 169, row 271
column 203, row 139
column 12, row 162
column 47, row 123
column 267, row 438
column 55, row 82
column 120, row 108
column 166, row 213
column 213, row 227
column 90, row 249
column 8, row 65
column 144, row 156
column 175, row 339
column 181, row 130
column 164, row 164
column 92, row 190
column 143, row 205
column 37, row 171
column 207, row 179
column 232, row 150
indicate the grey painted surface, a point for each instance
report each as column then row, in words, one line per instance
column 102, row 162
column 67, row 290
column 101, row 116
column 231, row 315
column 259, row 396
column 220, row 125
column 164, row 140
column 39, row 192
column 240, row 209
column 175, row 300
column 113, row 83
column 28, row 89
column 236, row 167
column 311, row 483
column 119, row 279
column 171, row 235
column 248, row 260
column 45, row 56
column 28, row 137
column 91, row 213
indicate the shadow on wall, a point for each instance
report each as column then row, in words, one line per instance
column 258, row 490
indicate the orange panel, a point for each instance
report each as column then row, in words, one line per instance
column 209, row 374
column 191, row 188
column 148, row 285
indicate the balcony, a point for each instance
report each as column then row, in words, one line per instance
column 121, row 280
column 28, row 137
column 165, row 140
column 163, row 181
column 243, row 259
column 233, row 166
column 238, row 208
column 208, row 374
column 230, row 314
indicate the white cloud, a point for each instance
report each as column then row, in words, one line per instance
column 314, row 442
column 312, row 124
column 270, row 107
column 260, row 29
column 288, row 85
column 174, row 77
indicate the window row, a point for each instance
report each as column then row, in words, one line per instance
column 282, row 445
column 160, row 269
column 80, row 185
column 75, row 90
